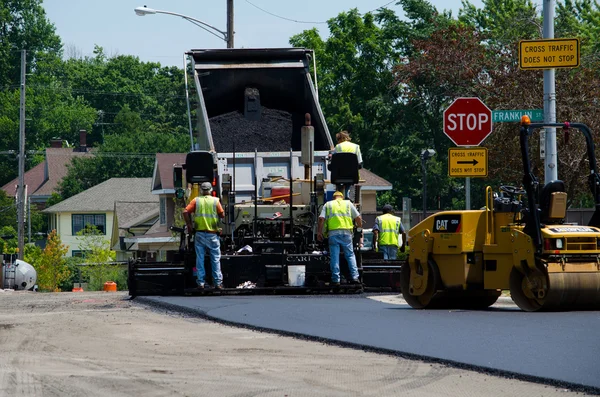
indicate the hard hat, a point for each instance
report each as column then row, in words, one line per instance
column 338, row 194
column 206, row 186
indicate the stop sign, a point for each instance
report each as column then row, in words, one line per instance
column 467, row 121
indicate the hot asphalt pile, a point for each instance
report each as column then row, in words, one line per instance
column 272, row 133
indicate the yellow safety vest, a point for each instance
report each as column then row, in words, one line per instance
column 206, row 216
column 346, row 147
column 389, row 229
column 338, row 215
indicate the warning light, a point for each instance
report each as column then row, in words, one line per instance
column 525, row 120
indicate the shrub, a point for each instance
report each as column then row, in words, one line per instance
column 51, row 266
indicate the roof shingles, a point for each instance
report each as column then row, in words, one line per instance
column 102, row 197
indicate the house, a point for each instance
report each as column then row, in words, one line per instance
column 96, row 206
column 43, row 179
column 159, row 242
column 133, row 219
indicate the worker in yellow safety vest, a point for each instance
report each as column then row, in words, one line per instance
column 345, row 146
column 386, row 231
column 339, row 215
column 207, row 210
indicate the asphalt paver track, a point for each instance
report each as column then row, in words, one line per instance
column 562, row 348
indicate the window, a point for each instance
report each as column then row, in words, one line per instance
column 80, row 253
column 163, row 211
column 79, row 221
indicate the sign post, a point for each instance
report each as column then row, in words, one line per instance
column 467, row 122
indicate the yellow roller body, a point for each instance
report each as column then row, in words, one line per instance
column 464, row 259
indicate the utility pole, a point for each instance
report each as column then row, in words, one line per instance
column 229, row 23
column 550, row 161
column 29, row 219
column 21, row 188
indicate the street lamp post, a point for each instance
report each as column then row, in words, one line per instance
column 225, row 36
column 425, row 155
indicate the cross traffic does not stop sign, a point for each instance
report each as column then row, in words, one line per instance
column 467, row 121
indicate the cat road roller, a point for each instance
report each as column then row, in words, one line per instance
column 520, row 242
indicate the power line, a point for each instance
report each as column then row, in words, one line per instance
column 95, row 92
column 309, row 22
column 284, row 18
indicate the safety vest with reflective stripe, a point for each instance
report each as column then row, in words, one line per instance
column 389, row 229
column 346, row 147
column 206, row 216
column 338, row 215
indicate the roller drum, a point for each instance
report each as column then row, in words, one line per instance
column 573, row 291
column 566, row 291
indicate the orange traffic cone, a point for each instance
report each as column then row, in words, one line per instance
column 110, row 286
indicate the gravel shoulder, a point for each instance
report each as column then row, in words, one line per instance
column 99, row 344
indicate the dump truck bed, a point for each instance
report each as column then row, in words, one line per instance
column 281, row 80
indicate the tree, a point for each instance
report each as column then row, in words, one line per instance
column 98, row 259
column 51, row 266
column 23, row 25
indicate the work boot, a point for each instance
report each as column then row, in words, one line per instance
column 356, row 282
column 219, row 287
column 199, row 285
column 335, row 283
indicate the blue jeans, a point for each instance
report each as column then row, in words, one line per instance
column 343, row 241
column 390, row 252
column 210, row 242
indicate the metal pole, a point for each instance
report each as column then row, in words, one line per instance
column 550, row 162
column 423, row 160
column 29, row 219
column 21, row 189
column 468, row 193
column 229, row 23
column 187, row 101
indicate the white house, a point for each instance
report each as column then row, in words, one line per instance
column 96, row 206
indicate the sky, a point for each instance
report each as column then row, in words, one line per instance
column 113, row 24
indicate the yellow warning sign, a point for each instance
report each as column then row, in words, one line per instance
column 468, row 162
column 549, row 53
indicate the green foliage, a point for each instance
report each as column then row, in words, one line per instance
column 8, row 240
column 23, row 25
column 51, row 266
column 8, row 210
column 98, row 258
column 32, row 254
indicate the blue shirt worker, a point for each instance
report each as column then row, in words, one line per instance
column 339, row 214
column 206, row 210
column 386, row 231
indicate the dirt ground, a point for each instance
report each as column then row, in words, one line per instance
column 102, row 344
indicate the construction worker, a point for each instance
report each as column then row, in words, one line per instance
column 386, row 231
column 345, row 146
column 339, row 213
column 206, row 210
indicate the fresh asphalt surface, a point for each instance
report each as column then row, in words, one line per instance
column 558, row 347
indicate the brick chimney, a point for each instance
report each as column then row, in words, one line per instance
column 82, row 140
column 56, row 143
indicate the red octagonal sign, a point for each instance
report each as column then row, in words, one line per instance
column 467, row 121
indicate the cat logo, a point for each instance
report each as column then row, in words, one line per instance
column 441, row 224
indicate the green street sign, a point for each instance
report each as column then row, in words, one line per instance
column 509, row 116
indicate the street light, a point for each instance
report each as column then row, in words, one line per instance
column 225, row 36
column 425, row 155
